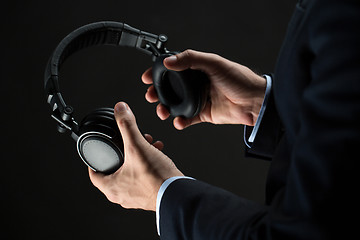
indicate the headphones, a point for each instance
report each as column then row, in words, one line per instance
column 98, row 139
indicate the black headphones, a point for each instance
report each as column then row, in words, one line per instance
column 98, row 138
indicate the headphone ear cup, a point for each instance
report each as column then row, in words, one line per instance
column 100, row 143
column 182, row 92
column 98, row 117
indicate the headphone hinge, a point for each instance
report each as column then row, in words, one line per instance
column 67, row 112
column 161, row 41
column 152, row 44
column 65, row 120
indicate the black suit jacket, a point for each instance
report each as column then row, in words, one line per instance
column 311, row 132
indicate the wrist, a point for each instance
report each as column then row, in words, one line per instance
column 259, row 95
column 252, row 97
column 157, row 183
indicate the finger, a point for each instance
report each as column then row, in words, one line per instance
column 96, row 178
column 148, row 138
column 180, row 123
column 151, row 95
column 146, row 77
column 162, row 112
column 206, row 62
column 127, row 124
column 159, row 145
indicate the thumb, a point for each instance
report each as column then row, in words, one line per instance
column 127, row 123
column 192, row 59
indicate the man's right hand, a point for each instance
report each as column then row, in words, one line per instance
column 235, row 96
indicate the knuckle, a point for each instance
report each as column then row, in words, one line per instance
column 125, row 122
column 187, row 54
column 112, row 197
column 187, row 57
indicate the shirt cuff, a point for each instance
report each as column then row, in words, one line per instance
column 161, row 192
column 261, row 113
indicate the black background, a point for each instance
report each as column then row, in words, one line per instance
column 45, row 189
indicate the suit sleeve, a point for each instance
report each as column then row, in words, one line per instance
column 191, row 209
column 269, row 133
column 320, row 194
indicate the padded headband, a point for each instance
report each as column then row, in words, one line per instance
column 99, row 33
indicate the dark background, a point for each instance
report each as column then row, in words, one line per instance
column 45, row 189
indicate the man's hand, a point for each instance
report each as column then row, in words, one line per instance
column 236, row 93
column 145, row 168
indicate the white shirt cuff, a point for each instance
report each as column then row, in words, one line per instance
column 159, row 197
column 261, row 113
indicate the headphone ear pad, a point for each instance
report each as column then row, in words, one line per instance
column 182, row 92
column 100, row 143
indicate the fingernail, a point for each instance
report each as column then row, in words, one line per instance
column 171, row 60
column 121, row 107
